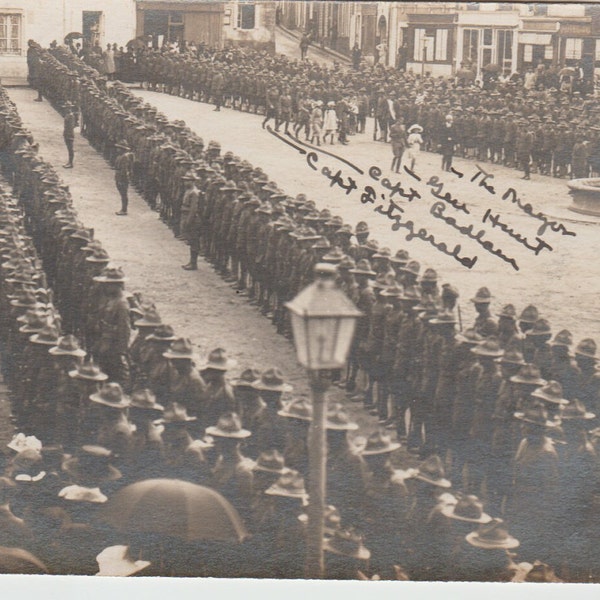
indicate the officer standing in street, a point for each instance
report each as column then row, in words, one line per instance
column 123, row 173
column 70, row 122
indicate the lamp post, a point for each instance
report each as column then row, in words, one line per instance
column 323, row 320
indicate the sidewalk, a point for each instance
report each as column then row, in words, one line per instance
column 199, row 305
column 288, row 42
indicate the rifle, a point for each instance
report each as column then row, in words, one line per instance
column 460, row 318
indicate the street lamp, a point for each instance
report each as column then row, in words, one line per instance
column 323, row 320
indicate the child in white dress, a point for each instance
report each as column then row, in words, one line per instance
column 414, row 141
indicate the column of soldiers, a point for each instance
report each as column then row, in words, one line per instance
column 502, row 406
column 557, row 133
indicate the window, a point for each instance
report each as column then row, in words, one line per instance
column 470, row 45
column 472, row 5
column 441, row 44
column 598, row 50
column 505, row 41
column 548, row 52
column 573, row 48
column 527, row 53
column 424, row 45
column 10, row 34
column 505, row 6
column 246, row 16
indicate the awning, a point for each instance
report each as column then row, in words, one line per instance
column 536, row 39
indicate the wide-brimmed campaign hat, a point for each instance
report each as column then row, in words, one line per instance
column 489, row 347
column 540, row 327
column 79, row 493
column 576, row 410
column 529, row 374
column 28, row 466
column 512, row 356
column 270, row 461
column 363, row 267
column 468, row 509
column 246, row 379
column 92, row 464
column 400, row 258
column 289, row 485
column 298, row 408
column 469, row 337
column 181, row 348
column 535, row 415
column 508, row 312
column 162, row 333
column 89, row 371
column 98, row 255
column 218, row 360
column 432, row 471
column 145, row 399
column 229, row 425
column 68, row 345
column 529, row 314
column 111, row 395
column 48, row 336
column 587, row 348
column 115, row 561
column 272, row 380
column 35, row 321
column 21, row 442
column 412, row 266
column 175, row 413
column 150, row 318
column 492, row 536
column 483, row 296
column 347, row 542
column 379, row 442
column 338, row 418
column 538, row 572
column 443, row 318
column 552, row 392
column 111, row 275
column 563, row 338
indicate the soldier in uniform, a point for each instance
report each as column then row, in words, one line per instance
column 233, row 473
column 70, row 123
column 112, row 349
column 190, row 217
column 123, row 174
column 487, row 388
column 481, row 301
